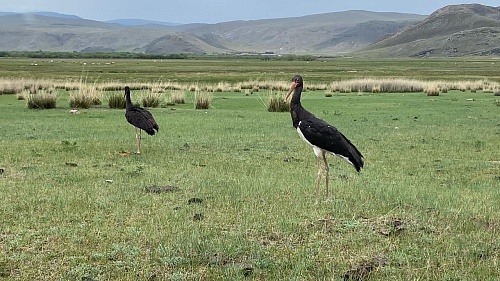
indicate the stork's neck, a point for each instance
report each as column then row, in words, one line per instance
column 296, row 96
column 127, row 98
column 296, row 109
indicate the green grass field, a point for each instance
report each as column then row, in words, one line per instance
column 244, row 69
column 424, row 208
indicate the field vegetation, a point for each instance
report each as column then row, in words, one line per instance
column 227, row 192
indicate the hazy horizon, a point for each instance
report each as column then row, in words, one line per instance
column 215, row 11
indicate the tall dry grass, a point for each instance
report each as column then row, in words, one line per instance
column 42, row 99
column 151, row 98
column 364, row 85
column 202, row 99
column 177, row 97
column 86, row 96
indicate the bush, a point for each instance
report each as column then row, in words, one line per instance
column 42, row 100
column 117, row 101
column 202, row 100
column 497, row 93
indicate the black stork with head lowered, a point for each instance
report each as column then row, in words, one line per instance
column 140, row 118
column 323, row 137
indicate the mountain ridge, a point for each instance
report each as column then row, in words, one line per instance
column 449, row 31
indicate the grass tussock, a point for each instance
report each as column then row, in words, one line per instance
column 43, row 99
column 10, row 87
column 151, row 99
column 85, row 97
column 432, row 89
column 202, row 100
column 116, row 101
column 276, row 103
column 177, row 97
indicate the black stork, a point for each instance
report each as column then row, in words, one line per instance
column 323, row 137
column 140, row 118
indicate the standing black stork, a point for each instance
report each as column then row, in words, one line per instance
column 140, row 118
column 320, row 135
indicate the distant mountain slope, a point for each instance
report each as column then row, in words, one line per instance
column 456, row 30
column 314, row 34
column 307, row 34
column 136, row 22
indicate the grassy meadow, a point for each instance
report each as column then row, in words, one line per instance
column 228, row 193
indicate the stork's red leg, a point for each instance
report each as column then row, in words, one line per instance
column 327, row 170
column 137, row 140
column 320, row 173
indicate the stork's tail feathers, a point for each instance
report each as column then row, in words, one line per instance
column 354, row 157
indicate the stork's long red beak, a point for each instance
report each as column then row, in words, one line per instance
column 292, row 87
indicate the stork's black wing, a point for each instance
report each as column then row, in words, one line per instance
column 325, row 136
column 142, row 119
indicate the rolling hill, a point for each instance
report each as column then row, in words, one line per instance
column 457, row 30
column 453, row 31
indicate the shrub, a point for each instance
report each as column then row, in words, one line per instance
column 276, row 103
column 117, row 101
column 42, row 100
column 497, row 93
column 202, row 100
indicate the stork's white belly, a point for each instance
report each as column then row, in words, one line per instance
column 318, row 151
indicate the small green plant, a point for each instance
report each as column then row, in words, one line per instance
column 117, row 101
column 276, row 103
column 202, row 100
column 42, row 100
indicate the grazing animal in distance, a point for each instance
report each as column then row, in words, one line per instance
column 323, row 137
column 140, row 118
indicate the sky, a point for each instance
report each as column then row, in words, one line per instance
column 215, row 11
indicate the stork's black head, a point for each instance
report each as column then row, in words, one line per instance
column 298, row 79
